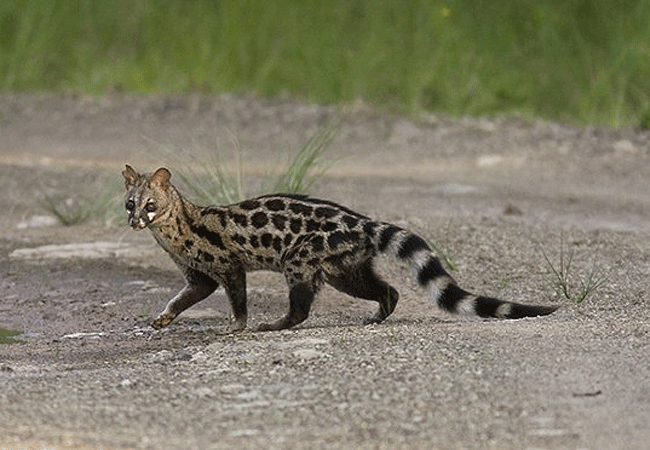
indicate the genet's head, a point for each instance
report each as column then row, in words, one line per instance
column 148, row 197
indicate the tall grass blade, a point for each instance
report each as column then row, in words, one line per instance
column 308, row 166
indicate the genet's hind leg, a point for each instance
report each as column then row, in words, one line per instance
column 365, row 283
column 301, row 296
column 235, row 286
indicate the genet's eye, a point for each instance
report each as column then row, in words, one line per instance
column 130, row 205
column 150, row 207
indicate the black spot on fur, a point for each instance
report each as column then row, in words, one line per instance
column 205, row 256
column 216, row 211
column 369, row 229
column 277, row 244
column 386, row 236
column 240, row 219
column 209, row 210
column 287, row 240
column 212, row 237
column 275, row 205
column 239, row 239
column 311, row 225
column 301, row 209
column 189, row 243
column 411, row 245
column 336, row 238
column 329, row 226
column 249, row 205
column 320, row 202
column 259, row 219
column 350, row 221
column 255, row 243
column 317, row 244
column 295, row 225
column 325, row 212
column 266, row 239
column 430, row 271
column 279, row 221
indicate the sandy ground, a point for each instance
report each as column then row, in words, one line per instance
column 496, row 195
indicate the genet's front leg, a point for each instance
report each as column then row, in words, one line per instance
column 198, row 287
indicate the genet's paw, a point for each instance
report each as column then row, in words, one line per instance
column 280, row 324
column 237, row 326
column 377, row 318
column 162, row 321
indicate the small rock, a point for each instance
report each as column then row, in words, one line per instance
column 81, row 335
column 160, row 357
column 489, row 160
column 512, row 210
column 203, row 392
column 625, row 147
column 308, row 353
column 199, row 357
column 38, row 221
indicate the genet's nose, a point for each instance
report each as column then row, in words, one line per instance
column 137, row 223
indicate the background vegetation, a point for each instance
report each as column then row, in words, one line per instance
column 572, row 60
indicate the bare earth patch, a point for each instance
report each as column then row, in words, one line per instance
column 495, row 195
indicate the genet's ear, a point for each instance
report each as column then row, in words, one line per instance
column 130, row 176
column 161, row 178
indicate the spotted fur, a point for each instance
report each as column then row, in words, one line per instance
column 308, row 240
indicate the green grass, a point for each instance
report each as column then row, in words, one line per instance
column 575, row 60
column 568, row 283
column 8, row 336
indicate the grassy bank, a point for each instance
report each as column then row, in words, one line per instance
column 575, row 60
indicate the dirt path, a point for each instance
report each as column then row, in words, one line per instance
column 495, row 195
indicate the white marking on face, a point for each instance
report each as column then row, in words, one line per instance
column 151, row 215
column 141, row 222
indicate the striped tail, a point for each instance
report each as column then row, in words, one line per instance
column 432, row 277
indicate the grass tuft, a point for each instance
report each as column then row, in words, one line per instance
column 101, row 203
column 564, row 277
column 209, row 182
